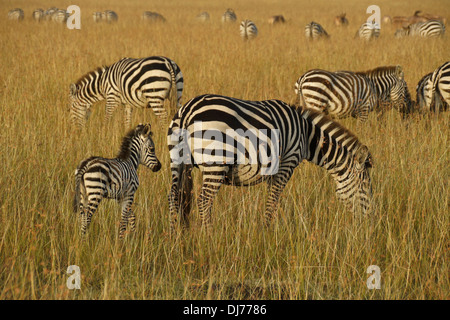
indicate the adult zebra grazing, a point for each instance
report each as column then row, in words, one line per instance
column 38, row 15
column 97, row 178
column 242, row 143
column 368, row 31
column 97, row 16
column 109, row 16
column 153, row 17
column 60, row 16
column 144, row 82
column 248, row 30
column 343, row 93
column 16, row 14
column 423, row 93
column 313, row 30
column 440, row 88
column 202, row 17
column 427, row 29
column 229, row 16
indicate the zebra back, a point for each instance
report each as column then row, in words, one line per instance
column 440, row 88
column 229, row 16
column 248, row 30
column 153, row 17
column 368, row 31
column 16, row 14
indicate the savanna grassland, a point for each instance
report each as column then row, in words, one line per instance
column 316, row 249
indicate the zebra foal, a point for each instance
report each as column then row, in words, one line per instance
column 97, row 178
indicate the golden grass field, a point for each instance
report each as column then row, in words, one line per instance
column 316, row 249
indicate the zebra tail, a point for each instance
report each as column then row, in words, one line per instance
column 77, row 196
column 300, row 98
column 185, row 192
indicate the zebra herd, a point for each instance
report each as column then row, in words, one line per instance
column 217, row 134
column 52, row 14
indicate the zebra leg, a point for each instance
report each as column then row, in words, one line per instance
column 211, row 185
column 128, row 114
column 127, row 213
column 276, row 185
column 157, row 105
column 86, row 216
column 180, row 195
column 111, row 105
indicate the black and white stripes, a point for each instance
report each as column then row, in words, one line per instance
column 440, row 88
column 248, row 30
column 368, row 31
column 343, row 93
column 238, row 142
column 144, row 83
column 427, row 29
column 97, row 178
column 313, row 30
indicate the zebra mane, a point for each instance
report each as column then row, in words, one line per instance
column 91, row 74
column 347, row 139
column 397, row 70
column 125, row 147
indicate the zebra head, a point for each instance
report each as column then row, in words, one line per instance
column 354, row 186
column 400, row 97
column 148, row 157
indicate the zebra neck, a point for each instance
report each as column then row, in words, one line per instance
column 328, row 144
column 95, row 86
column 135, row 156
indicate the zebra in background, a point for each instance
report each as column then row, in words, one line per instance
column 50, row 12
column 97, row 16
column 109, row 16
column 368, row 31
column 16, row 14
column 303, row 134
column 440, row 88
column 248, row 30
column 60, row 16
column 153, row 17
column 276, row 20
column 341, row 20
column 144, row 82
column 38, row 15
column 202, row 17
column 313, row 30
column 229, row 16
column 343, row 93
column 97, row 178
column 423, row 93
column 427, row 29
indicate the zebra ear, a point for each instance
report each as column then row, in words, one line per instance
column 362, row 155
column 73, row 89
column 399, row 71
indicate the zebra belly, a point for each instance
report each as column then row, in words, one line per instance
column 244, row 175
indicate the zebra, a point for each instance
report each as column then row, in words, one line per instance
column 296, row 134
column 60, row 16
column 368, row 31
column 343, row 93
column 341, row 20
column 229, row 16
column 440, row 88
column 313, row 30
column 427, row 29
column 97, row 178
column 423, row 93
column 50, row 12
column 38, row 15
column 97, row 16
column 144, row 82
column 109, row 16
column 153, row 16
column 248, row 30
column 276, row 20
column 16, row 14
column 202, row 17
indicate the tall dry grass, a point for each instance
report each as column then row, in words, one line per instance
column 314, row 250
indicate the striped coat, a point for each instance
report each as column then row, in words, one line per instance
column 343, row 94
column 141, row 83
column 248, row 30
column 368, row 31
column 241, row 143
column 427, row 29
column 313, row 30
